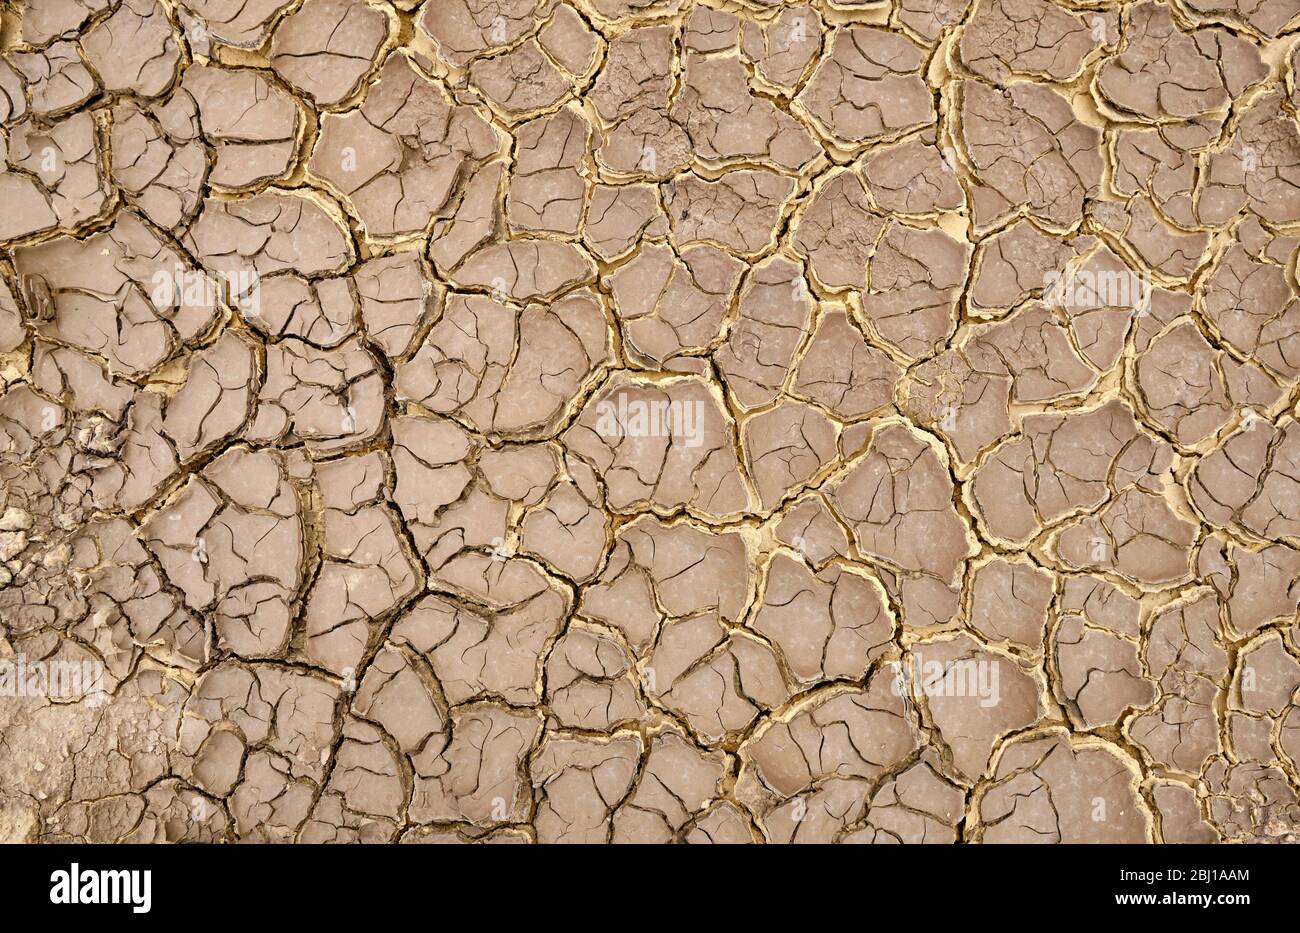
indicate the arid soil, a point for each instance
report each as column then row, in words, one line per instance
column 659, row 421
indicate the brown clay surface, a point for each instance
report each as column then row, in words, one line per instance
column 728, row 421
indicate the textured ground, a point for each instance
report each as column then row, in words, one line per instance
column 650, row 420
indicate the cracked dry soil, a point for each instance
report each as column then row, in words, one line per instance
column 650, row 420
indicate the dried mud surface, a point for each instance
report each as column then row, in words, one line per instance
column 733, row 421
